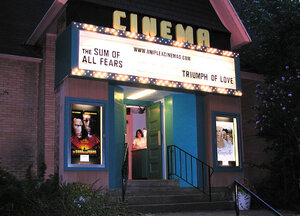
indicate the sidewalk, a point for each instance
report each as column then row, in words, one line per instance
column 225, row 213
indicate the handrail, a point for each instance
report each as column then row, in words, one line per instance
column 124, row 172
column 237, row 211
column 173, row 168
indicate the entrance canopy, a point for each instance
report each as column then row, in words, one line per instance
column 103, row 53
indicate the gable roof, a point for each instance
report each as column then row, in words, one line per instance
column 231, row 20
column 199, row 13
column 21, row 28
column 18, row 20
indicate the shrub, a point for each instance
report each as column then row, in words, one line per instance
column 11, row 194
column 37, row 197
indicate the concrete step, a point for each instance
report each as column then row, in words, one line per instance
column 184, row 198
column 160, row 190
column 153, row 183
column 155, row 196
column 152, row 191
column 140, row 186
column 182, row 207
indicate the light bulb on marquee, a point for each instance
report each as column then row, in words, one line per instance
column 143, row 80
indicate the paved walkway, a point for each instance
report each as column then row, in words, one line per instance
column 225, row 213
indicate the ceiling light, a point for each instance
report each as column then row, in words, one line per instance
column 141, row 94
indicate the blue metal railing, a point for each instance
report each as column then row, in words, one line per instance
column 182, row 165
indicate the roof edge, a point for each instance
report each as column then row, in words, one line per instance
column 223, row 8
column 48, row 18
column 21, row 58
column 231, row 20
column 252, row 76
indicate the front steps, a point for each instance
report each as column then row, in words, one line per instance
column 154, row 196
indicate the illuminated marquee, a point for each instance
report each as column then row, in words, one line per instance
column 115, row 54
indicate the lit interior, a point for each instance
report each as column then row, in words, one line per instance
column 141, row 94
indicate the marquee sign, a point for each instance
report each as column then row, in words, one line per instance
column 112, row 54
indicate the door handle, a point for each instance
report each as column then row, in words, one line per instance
column 159, row 138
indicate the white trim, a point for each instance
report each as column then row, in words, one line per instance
column 21, row 58
column 163, row 134
column 240, row 21
column 164, row 156
column 231, row 20
column 48, row 18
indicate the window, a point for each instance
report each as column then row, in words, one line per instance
column 226, row 141
column 84, row 134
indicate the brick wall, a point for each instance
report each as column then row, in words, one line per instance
column 18, row 114
column 58, row 107
column 27, row 115
column 253, row 145
column 220, row 103
column 77, row 88
column 46, row 114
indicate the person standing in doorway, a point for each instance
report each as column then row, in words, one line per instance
column 139, row 142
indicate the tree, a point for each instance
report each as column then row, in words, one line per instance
column 274, row 27
column 278, row 113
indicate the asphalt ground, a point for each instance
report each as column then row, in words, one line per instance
column 225, row 213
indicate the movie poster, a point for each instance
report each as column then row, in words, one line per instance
column 226, row 141
column 86, row 137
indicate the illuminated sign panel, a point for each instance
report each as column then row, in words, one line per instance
column 86, row 147
column 112, row 54
column 106, row 53
column 84, row 134
column 227, row 141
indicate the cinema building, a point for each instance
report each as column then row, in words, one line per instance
column 110, row 68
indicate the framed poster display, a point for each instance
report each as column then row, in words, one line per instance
column 84, row 130
column 226, row 140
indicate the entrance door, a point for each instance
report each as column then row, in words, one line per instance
column 154, row 141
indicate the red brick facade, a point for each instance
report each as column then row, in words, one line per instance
column 18, row 114
column 253, row 144
column 32, row 114
column 47, row 103
column 28, row 111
